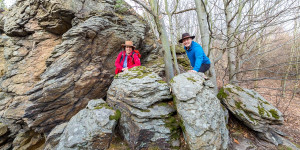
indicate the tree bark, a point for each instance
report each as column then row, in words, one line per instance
column 164, row 39
column 231, row 51
column 204, row 29
column 172, row 38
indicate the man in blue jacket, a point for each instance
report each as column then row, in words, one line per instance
column 199, row 61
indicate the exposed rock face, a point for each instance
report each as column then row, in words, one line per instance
column 61, row 54
column 54, row 137
column 91, row 128
column 200, row 112
column 28, row 140
column 146, row 120
column 254, row 110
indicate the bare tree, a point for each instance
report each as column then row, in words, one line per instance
column 154, row 10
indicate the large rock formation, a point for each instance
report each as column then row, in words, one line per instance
column 253, row 110
column 54, row 136
column 92, row 128
column 60, row 54
column 200, row 111
column 146, row 120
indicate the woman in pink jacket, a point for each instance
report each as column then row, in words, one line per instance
column 127, row 58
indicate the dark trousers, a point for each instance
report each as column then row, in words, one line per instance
column 204, row 68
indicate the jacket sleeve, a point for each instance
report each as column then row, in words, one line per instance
column 136, row 60
column 117, row 62
column 199, row 58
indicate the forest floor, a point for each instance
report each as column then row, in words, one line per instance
column 290, row 108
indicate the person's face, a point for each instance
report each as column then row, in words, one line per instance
column 128, row 49
column 187, row 42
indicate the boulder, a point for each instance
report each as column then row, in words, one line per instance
column 253, row 110
column 28, row 140
column 54, row 137
column 60, row 54
column 147, row 119
column 91, row 128
column 202, row 117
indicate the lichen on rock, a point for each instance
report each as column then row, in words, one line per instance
column 202, row 118
column 252, row 109
column 147, row 120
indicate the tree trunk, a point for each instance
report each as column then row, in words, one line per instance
column 172, row 37
column 164, row 39
column 231, row 51
column 203, row 25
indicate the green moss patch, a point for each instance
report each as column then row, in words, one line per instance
column 140, row 71
column 192, row 79
column 261, row 110
column 238, row 105
column 274, row 113
column 222, row 94
column 172, row 81
column 283, row 147
column 103, row 105
column 145, row 110
column 116, row 116
column 249, row 116
column 179, row 49
column 238, row 88
column 181, row 124
column 161, row 81
column 184, row 62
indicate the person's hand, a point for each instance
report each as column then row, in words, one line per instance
column 192, row 71
column 125, row 69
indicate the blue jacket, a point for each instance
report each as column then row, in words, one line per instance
column 197, row 56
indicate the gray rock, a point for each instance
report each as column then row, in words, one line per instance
column 58, row 56
column 254, row 110
column 91, row 128
column 250, row 107
column 146, row 120
column 78, row 69
column 3, row 129
column 54, row 137
column 200, row 112
column 139, row 88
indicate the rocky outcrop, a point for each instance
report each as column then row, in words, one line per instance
column 147, row 120
column 28, row 140
column 253, row 110
column 91, row 128
column 54, row 137
column 201, row 114
column 60, row 55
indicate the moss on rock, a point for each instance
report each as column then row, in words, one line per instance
column 184, row 62
column 161, row 81
column 222, row 94
column 238, row 105
column 274, row 113
column 172, row 124
column 103, row 105
column 116, row 116
column 192, row 79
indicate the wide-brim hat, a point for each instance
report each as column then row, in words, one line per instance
column 128, row 43
column 185, row 36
